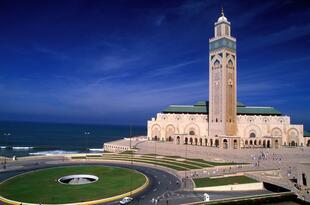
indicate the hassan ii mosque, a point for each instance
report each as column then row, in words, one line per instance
column 223, row 121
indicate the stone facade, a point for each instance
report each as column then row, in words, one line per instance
column 226, row 127
column 252, row 131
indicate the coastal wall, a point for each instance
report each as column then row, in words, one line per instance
column 235, row 187
column 115, row 148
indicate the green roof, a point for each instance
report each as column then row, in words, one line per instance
column 306, row 133
column 201, row 107
column 186, row 109
column 201, row 103
column 247, row 110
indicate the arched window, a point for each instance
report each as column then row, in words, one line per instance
column 218, row 30
column 216, row 64
column 191, row 132
column 252, row 135
column 230, row 65
column 226, row 30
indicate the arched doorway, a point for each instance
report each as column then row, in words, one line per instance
column 235, row 144
column 170, row 131
column 211, row 142
column 293, row 137
column 206, row 142
column 293, row 143
column 251, row 143
column 276, row 144
column 308, row 143
column 246, row 143
column 178, row 139
column 191, row 141
column 186, row 140
column 268, row 143
column 200, row 142
column 260, row 143
column 264, row 143
column 196, row 141
column 225, row 144
column 156, row 133
column 217, row 143
column 255, row 143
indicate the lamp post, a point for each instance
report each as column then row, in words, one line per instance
column 86, row 142
column 185, row 161
column 131, row 157
column 155, row 150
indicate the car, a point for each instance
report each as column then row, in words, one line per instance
column 126, row 200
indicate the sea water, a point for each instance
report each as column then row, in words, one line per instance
column 33, row 138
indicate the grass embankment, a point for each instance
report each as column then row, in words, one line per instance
column 43, row 187
column 208, row 182
column 173, row 162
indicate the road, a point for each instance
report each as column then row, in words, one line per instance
column 164, row 187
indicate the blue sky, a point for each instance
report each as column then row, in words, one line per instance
column 122, row 61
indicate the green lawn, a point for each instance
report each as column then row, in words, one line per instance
column 42, row 186
column 208, row 182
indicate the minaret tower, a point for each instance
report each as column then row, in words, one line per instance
column 222, row 80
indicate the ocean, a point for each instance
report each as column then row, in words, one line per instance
column 34, row 138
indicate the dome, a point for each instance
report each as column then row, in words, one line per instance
column 222, row 18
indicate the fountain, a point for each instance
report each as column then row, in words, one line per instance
column 78, row 179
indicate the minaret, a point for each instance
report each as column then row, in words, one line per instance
column 222, row 80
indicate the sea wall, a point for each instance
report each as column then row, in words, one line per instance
column 233, row 187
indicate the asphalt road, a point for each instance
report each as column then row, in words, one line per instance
column 160, row 182
column 164, row 187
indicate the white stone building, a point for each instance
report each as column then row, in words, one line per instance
column 222, row 121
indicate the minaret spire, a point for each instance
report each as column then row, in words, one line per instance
column 222, row 13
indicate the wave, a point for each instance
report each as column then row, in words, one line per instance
column 22, row 148
column 53, row 152
column 2, row 147
column 96, row 149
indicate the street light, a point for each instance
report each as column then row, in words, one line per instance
column 86, row 142
column 131, row 157
column 186, row 134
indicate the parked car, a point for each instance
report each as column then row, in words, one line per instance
column 126, row 200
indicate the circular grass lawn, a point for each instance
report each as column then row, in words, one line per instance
column 42, row 186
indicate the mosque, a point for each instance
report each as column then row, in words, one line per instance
column 222, row 121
